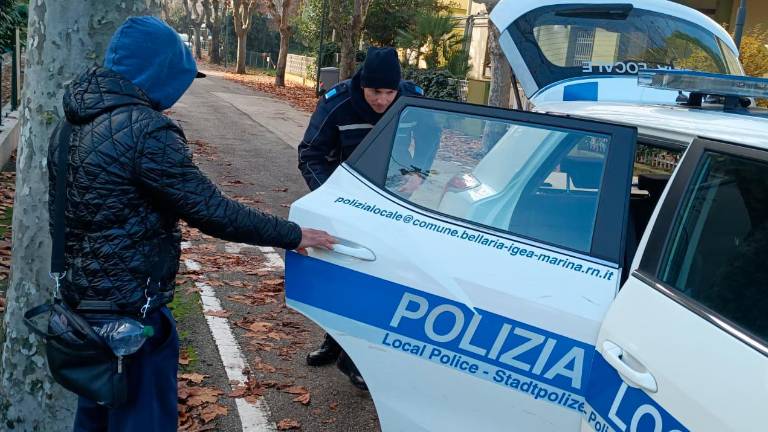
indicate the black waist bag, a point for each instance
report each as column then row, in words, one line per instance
column 78, row 358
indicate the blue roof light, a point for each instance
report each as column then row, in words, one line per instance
column 704, row 83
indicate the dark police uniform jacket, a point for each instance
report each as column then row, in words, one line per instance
column 340, row 122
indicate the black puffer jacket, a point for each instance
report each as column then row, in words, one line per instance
column 130, row 179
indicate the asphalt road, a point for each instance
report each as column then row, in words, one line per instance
column 245, row 141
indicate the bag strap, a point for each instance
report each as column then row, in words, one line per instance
column 58, row 266
column 73, row 323
column 35, row 311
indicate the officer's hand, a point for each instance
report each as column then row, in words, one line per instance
column 316, row 239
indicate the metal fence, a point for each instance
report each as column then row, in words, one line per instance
column 261, row 59
column 659, row 159
column 302, row 66
column 11, row 80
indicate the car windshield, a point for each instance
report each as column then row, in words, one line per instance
column 560, row 43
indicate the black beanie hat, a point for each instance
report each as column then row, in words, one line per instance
column 381, row 69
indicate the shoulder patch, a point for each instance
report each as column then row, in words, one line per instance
column 336, row 90
column 329, row 94
column 409, row 88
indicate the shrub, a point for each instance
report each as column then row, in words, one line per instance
column 754, row 55
column 437, row 84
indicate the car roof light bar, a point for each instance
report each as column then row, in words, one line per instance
column 735, row 89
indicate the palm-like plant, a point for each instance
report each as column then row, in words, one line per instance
column 433, row 38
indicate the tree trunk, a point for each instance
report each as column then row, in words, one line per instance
column 241, row 53
column 351, row 30
column 196, row 18
column 213, row 13
column 214, row 51
column 63, row 38
column 347, row 61
column 242, row 14
column 501, row 74
column 198, row 43
column 282, row 57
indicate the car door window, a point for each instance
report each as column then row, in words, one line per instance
column 718, row 249
column 535, row 181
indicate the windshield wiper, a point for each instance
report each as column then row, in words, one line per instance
column 605, row 12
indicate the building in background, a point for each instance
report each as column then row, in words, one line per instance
column 724, row 11
column 472, row 23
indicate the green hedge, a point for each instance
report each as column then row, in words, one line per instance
column 437, row 84
column 12, row 15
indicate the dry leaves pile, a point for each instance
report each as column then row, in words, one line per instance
column 462, row 149
column 201, row 148
column 6, row 84
column 198, row 405
column 7, row 188
column 278, row 330
column 299, row 96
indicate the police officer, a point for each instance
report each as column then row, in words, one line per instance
column 343, row 117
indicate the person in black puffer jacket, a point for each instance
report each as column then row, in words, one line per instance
column 130, row 179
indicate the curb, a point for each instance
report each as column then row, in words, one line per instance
column 9, row 134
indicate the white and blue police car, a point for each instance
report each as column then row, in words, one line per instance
column 595, row 264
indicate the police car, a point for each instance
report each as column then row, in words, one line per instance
column 597, row 264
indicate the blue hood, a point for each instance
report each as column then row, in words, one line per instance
column 150, row 54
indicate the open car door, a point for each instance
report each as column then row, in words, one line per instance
column 480, row 249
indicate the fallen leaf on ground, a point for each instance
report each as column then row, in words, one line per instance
column 296, row 390
column 194, row 377
column 265, row 367
column 197, row 406
column 238, row 392
column 219, row 313
column 303, row 399
column 214, row 411
column 288, row 424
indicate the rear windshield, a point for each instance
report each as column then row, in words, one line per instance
column 560, row 42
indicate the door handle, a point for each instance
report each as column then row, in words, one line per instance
column 643, row 379
column 353, row 250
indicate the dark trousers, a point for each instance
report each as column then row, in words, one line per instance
column 152, row 387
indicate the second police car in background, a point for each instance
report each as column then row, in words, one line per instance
column 552, row 272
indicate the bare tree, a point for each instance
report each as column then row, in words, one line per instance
column 347, row 20
column 165, row 9
column 214, row 12
column 63, row 38
column 196, row 16
column 501, row 74
column 243, row 14
column 282, row 11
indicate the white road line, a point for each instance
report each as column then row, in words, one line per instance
column 273, row 258
column 253, row 417
column 192, row 265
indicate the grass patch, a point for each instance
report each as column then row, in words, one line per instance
column 183, row 306
column 262, row 71
column 6, row 218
